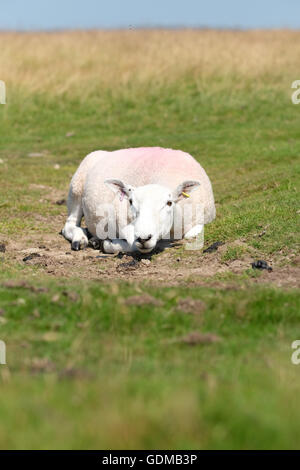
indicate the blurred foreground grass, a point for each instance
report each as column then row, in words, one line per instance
column 99, row 372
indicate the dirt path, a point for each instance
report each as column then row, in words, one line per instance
column 51, row 254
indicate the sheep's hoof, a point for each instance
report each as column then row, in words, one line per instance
column 79, row 245
column 95, row 243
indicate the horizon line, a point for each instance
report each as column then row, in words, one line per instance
column 149, row 28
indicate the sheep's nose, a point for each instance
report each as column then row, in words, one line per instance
column 144, row 240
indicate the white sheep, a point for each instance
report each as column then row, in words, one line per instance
column 152, row 186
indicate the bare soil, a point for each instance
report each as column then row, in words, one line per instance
column 173, row 266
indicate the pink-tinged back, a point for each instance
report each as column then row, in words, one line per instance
column 139, row 167
column 145, row 165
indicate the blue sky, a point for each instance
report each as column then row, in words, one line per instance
column 59, row 14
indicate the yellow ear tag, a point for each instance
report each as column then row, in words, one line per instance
column 185, row 194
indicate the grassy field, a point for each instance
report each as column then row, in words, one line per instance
column 184, row 350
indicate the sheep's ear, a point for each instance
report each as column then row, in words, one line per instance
column 184, row 189
column 119, row 187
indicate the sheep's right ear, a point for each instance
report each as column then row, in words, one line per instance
column 119, row 187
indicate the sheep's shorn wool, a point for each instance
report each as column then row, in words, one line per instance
column 162, row 171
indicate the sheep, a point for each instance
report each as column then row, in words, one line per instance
column 140, row 193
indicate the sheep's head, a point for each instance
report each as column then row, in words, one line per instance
column 151, row 210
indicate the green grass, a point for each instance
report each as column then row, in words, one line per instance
column 98, row 373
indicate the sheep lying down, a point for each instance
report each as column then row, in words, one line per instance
column 133, row 198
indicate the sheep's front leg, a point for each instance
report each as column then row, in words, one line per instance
column 117, row 246
column 72, row 230
column 194, row 231
column 196, row 235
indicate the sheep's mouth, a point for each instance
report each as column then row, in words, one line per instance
column 145, row 250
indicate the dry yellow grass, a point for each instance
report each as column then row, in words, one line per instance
column 84, row 61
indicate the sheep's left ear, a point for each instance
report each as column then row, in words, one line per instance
column 184, row 189
column 119, row 186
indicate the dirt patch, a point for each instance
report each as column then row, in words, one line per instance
column 130, row 265
column 73, row 296
column 173, row 266
column 40, row 365
column 44, row 365
column 48, row 193
column 23, row 285
column 189, row 305
column 31, row 257
column 195, row 337
column 286, row 276
column 144, row 299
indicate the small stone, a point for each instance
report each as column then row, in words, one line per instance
column 60, row 202
column 261, row 264
column 31, row 256
column 213, row 247
column 146, row 262
column 35, row 154
column 56, row 166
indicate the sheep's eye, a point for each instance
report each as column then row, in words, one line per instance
column 169, row 203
